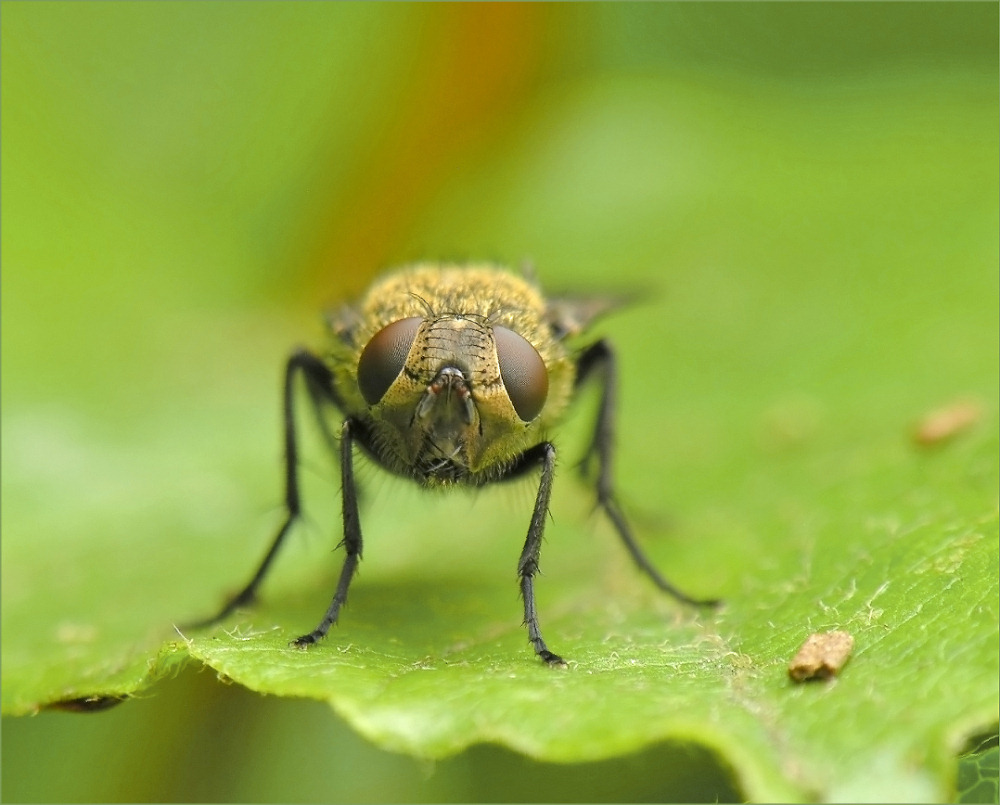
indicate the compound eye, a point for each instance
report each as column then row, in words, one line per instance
column 384, row 357
column 523, row 373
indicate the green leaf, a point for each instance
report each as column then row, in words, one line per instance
column 823, row 254
column 978, row 772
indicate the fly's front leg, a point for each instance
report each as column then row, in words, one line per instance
column 527, row 566
column 319, row 384
column 352, row 537
column 599, row 360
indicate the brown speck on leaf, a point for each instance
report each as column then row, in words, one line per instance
column 946, row 422
column 821, row 656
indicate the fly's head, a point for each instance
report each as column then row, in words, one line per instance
column 447, row 381
column 449, row 394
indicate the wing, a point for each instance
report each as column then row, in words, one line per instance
column 571, row 315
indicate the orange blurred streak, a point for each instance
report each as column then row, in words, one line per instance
column 481, row 59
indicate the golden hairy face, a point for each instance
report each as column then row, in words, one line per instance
column 456, row 371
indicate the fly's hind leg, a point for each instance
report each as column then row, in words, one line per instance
column 599, row 360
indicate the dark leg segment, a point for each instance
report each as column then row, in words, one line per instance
column 527, row 566
column 352, row 539
column 318, row 383
column 599, row 359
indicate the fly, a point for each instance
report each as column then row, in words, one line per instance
column 453, row 376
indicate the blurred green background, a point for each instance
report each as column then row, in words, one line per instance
column 185, row 186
